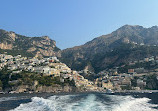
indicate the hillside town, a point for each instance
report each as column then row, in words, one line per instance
column 50, row 66
column 136, row 75
column 132, row 76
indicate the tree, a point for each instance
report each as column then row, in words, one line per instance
column 1, row 84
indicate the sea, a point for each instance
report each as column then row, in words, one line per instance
column 79, row 102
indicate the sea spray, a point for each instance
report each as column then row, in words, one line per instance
column 88, row 102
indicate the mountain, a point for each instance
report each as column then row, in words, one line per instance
column 125, row 44
column 128, row 43
column 14, row 44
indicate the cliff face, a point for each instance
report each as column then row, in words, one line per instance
column 34, row 46
column 118, row 47
column 49, row 89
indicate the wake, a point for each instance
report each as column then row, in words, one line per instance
column 89, row 102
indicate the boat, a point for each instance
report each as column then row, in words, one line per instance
column 109, row 91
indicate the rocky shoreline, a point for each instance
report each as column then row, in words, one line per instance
column 75, row 91
column 137, row 91
column 40, row 89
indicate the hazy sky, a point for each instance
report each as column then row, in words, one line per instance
column 74, row 22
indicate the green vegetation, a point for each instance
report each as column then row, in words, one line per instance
column 17, row 52
column 134, row 82
column 145, row 65
column 1, row 85
column 152, row 82
column 8, row 80
column 126, row 87
column 4, row 77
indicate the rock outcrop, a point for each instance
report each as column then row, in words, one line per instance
column 13, row 44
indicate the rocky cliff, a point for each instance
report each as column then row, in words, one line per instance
column 13, row 43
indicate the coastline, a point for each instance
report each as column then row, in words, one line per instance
column 137, row 91
column 50, row 93
column 78, row 92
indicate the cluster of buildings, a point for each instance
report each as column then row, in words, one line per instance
column 152, row 65
column 107, row 79
column 153, row 59
column 113, row 79
column 50, row 66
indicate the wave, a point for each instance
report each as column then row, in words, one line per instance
column 89, row 102
column 53, row 103
column 129, row 103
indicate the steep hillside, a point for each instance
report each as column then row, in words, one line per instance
column 13, row 44
column 126, row 43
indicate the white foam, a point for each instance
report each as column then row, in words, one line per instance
column 139, row 104
column 37, row 104
column 53, row 103
column 129, row 103
column 87, row 103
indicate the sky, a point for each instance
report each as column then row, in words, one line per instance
column 75, row 22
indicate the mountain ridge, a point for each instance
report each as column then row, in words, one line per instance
column 102, row 52
column 127, row 35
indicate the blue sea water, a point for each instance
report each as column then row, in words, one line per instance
column 80, row 102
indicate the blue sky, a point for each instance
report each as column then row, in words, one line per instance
column 74, row 22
